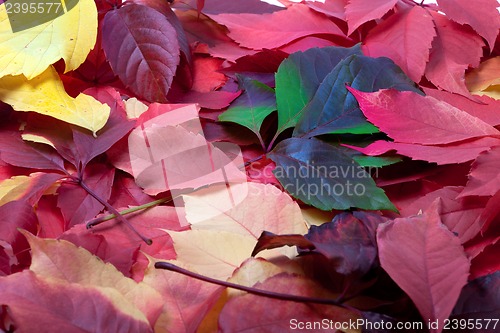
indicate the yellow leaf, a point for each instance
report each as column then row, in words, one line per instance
column 13, row 188
column 486, row 75
column 70, row 36
column 45, row 94
column 59, row 260
column 134, row 108
column 212, row 253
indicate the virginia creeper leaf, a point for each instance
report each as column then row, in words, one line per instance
column 253, row 106
column 15, row 151
column 487, row 74
column 323, row 176
column 300, row 75
column 361, row 11
column 484, row 179
column 76, row 204
column 280, row 316
column 60, row 260
column 186, row 300
column 43, row 305
column 405, row 37
column 480, row 298
column 335, row 8
column 485, row 108
column 444, row 154
column 211, row 7
column 268, row 31
column 15, row 215
column 142, row 48
column 29, row 52
column 482, row 16
column 334, row 110
column 28, row 188
column 426, row 260
column 454, row 49
column 45, row 94
column 408, row 117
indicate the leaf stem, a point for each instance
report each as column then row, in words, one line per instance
column 251, row 290
column 112, row 210
column 102, row 219
column 272, row 142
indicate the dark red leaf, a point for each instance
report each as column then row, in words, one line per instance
column 78, row 206
column 267, row 240
column 15, row 151
column 142, row 47
column 16, row 215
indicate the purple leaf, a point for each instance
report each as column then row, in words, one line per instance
column 142, row 48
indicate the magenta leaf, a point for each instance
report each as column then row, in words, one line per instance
column 142, row 47
column 481, row 15
column 484, row 178
column 361, row 11
column 15, row 151
column 408, row 117
column 426, row 260
column 76, row 204
column 404, row 37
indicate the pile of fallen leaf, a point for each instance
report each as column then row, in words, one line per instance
column 336, row 161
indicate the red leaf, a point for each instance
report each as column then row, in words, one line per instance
column 44, row 305
column 445, row 154
column 481, row 15
column 361, row 11
column 77, row 206
column 239, row 313
column 268, row 240
column 186, row 300
column 484, row 178
column 206, row 75
column 454, row 49
column 333, row 8
column 406, row 38
column 50, row 218
column 461, row 215
column 426, row 260
column 15, row 151
column 15, row 215
column 142, row 48
column 267, row 31
column 486, row 110
column 411, row 118
column 486, row 263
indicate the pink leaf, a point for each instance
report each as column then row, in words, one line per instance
column 486, row 110
column 333, row 8
column 453, row 50
column 411, row 118
column 406, row 38
column 361, row 11
column 445, row 154
column 261, row 31
column 481, row 15
column 426, row 260
column 484, row 178
column 142, row 48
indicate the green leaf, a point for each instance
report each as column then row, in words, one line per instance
column 300, row 75
column 375, row 161
column 334, row 110
column 322, row 175
column 253, row 106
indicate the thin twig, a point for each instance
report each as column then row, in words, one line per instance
column 113, row 210
column 251, row 290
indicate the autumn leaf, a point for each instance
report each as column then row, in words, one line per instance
column 403, row 117
column 70, row 36
column 360, row 11
column 299, row 76
column 260, row 31
column 45, row 94
column 332, row 181
column 404, row 37
column 29, row 188
column 151, row 47
column 483, row 178
column 426, row 260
